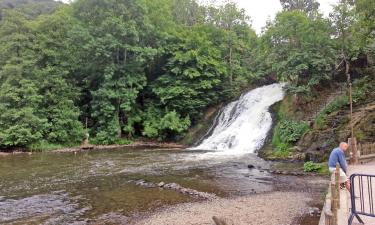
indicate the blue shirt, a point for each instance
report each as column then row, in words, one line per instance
column 337, row 156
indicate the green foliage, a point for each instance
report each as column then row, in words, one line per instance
column 312, row 167
column 287, row 132
column 310, row 7
column 291, row 131
column 333, row 106
column 300, row 50
column 281, row 152
column 164, row 126
column 149, row 68
column 362, row 88
column 31, row 8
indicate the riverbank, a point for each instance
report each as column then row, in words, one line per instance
column 137, row 144
column 263, row 209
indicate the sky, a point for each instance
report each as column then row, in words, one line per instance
column 261, row 10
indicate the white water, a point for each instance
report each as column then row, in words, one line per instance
column 243, row 125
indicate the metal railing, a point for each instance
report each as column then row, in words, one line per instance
column 362, row 196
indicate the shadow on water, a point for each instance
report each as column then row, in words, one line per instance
column 50, row 188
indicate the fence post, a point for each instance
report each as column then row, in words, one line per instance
column 337, row 184
column 334, row 203
column 328, row 218
column 361, row 150
column 352, row 142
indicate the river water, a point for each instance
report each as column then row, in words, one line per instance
column 83, row 188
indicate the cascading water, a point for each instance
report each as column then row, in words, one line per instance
column 242, row 125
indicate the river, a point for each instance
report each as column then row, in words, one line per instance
column 67, row 188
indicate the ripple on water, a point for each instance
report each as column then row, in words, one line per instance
column 55, row 208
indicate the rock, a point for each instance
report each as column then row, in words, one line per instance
column 250, row 166
column 297, row 149
column 175, row 187
column 140, row 182
column 299, row 156
column 222, row 221
column 314, row 211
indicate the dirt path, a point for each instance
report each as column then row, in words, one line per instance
column 264, row 209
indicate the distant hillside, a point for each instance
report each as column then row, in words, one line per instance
column 32, row 8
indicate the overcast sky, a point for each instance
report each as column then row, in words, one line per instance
column 261, row 10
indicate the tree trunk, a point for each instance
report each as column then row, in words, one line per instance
column 230, row 67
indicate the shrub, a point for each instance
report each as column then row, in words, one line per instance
column 291, row 131
column 312, row 167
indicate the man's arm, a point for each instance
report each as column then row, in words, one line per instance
column 342, row 162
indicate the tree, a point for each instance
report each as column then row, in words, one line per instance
column 300, row 51
column 188, row 12
column 364, row 28
column 310, row 7
column 31, row 8
column 236, row 40
column 20, row 124
column 118, row 61
column 129, row 68
column 54, row 62
column 193, row 74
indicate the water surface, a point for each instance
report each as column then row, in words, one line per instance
column 84, row 188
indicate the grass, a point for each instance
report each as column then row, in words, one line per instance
column 281, row 153
column 333, row 106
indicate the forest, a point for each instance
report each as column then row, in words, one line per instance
column 148, row 69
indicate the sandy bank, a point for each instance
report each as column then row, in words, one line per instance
column 276, row 208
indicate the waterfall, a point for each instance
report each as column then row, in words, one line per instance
column 243, row 125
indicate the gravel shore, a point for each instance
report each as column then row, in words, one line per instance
column 275, row 208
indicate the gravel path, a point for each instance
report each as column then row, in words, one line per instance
column 276, row 208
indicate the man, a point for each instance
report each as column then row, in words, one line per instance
column 338, row 156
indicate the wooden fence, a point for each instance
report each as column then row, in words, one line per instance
column 332, row 203
column 360, row 151
column 366, row 149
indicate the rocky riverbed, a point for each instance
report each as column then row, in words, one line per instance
column 264, row 209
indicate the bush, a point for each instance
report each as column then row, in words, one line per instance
column 312, row 167
column 291, row 131
column 163, row 126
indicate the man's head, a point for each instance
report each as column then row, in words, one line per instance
column 344, row 146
